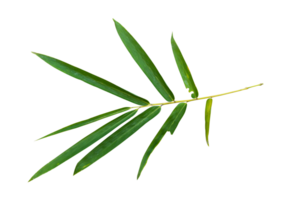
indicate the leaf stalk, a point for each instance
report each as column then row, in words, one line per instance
column 189, row 100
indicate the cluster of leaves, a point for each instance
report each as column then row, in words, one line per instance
column 124, row 132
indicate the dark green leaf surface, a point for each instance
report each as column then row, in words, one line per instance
column 87, row 121
column 93, row 80
column 174, row 118
column 84, row 143
column 207, row 120
column 183, row 69
column 117, row 138
column 144, row 62
column 170, row 125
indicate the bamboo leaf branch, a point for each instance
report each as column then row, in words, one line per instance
column 132, row 126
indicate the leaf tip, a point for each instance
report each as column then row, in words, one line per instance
column 172, row 32
column 74, row 174
column 28, row 181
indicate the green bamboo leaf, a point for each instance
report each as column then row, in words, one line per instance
column 170, row 125
column 92, row 80
column 183, row 69
column 175, row 117
column 87, row 121
column 144, row 62
column 207, row 120
column 117, row 138
column 84, row 143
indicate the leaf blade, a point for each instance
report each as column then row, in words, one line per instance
column 117, row 138
column 92, row 79
column 207, row 118
column 144, row 62
column 176, row 116
column 184, row 69
column 170, row 125
column 83, row 144
column 87, row 121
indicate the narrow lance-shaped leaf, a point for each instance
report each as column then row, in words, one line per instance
column 183, row 69
column 207, row 120
column 170, row 125
column 92, row 80
column 87, row 121
column 84, row 143
column 117, row 138
column 144, row 62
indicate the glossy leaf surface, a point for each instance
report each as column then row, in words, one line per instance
column 87, row 121
column 183, row 69
column 144, row 62
column 170, row 125
column 92, row 80
column 84, row 143
column 117, row 138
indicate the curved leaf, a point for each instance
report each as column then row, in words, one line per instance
column 117, row 138
column 170, row 125
column 183, row 69
column 207, row 120
column 87, row 121
column 84, row 143
column 92, row 80
column 144, row 62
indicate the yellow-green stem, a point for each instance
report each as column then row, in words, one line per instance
column 189, row 100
